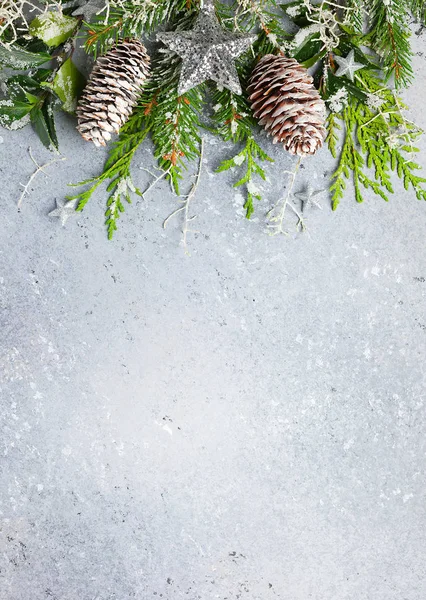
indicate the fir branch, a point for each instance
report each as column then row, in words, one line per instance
column 418, row 9
column 134, row 19
column 172, row 119
column 389, row 35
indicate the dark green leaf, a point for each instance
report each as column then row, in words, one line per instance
column 19, row 59
column 44, row 125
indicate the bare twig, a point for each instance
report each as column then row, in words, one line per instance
column 15, row 16
column 186, row 201
column 156, row 180
column 36, row 172
column 276, row 215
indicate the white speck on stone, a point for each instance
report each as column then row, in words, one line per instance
column 348, row 444
column 407, row 497
column 67, row 451
column 168, row 429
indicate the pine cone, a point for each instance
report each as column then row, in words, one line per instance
column 112, row 91
column 285, row 101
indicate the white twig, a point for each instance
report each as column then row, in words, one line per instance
column 36, row 172
column 156, row 180
column 186, row 202
column 276, row 215
column 15, row 16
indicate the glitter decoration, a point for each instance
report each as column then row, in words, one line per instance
column 308, row 197
column 63, row 210
column 347, row 66
column 207, row 51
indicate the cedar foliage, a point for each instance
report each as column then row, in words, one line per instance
column 367, row 131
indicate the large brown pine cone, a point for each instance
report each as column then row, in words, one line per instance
column 112, row 91
column 287, row 104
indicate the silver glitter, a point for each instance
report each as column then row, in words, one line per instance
column 207, row 51
column 347, row 66
column 64, row 210
column 307, row 197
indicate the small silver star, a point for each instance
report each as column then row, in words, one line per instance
column 207, row 51
column 307, row 197
column 347, row 66
column 64, row 210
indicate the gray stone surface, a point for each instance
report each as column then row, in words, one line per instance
column 245, row 422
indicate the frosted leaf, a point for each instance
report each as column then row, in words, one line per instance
column 252, row 188
column 239, row 159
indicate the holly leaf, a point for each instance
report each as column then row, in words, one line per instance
column 19, row 84
column 308, row 48
column 68, row 85
column 44, row 125
column 296, row 11
column 13, row 111
column 20, row 59
column 53, row 28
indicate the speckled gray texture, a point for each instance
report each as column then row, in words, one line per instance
column 244, row 423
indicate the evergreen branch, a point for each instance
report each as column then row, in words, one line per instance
column 173, row 120
column 375, row 138
column 389, row 35
column 248, row 157
column 134, row 19
column 332, row 137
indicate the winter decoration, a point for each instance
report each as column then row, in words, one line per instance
column 112, row 91
column 347, row 66
column 358, row 51
column 207, row 51
column 63, row 210
column 285, row 101
column 307, row 197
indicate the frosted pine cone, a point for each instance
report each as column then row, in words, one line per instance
column 287, row 104
column 112, row 91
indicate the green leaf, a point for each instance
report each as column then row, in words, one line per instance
column 12, row 111
column 53, row 28
column 308, row 48
column 19, row 59
column 19, row 85
column 44, row 125
column 68, row 85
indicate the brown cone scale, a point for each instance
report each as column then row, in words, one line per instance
column 112, row 91
column 287, row 104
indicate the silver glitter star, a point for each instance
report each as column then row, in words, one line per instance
column 207, row 51
column 64, row 210
column 347, row 66
column 307, row 197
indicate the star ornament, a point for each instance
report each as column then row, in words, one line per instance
column 347, row 66
column 308, row 197
column 207, row 51
column 64, row 210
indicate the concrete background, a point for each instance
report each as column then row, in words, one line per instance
column 247, row 422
